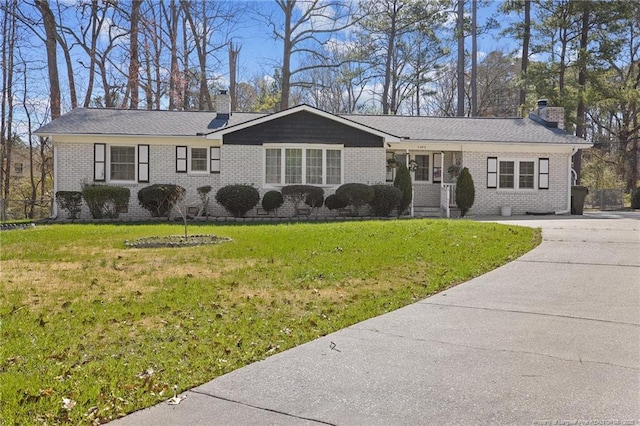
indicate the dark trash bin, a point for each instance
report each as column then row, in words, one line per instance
column 578, row 194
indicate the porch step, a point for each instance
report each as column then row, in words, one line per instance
column 427, row 212
column 434, row 212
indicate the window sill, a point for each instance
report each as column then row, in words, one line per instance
column 516, row 191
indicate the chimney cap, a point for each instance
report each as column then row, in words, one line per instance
column 542, row 103
column 223, row 92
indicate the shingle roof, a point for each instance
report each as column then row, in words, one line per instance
column 94, row 121
column 466, row 129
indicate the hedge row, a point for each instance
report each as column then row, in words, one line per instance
column 159, row 199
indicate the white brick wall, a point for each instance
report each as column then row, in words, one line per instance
column 75, row 167
column 489, row 200
column 244, row 164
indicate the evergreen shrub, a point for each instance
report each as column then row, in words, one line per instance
column 385, row 199
column 403, row 183
column 71, row 201
column 465, row 192
column 238, row 199
column 272, row 200
column 355, row 194
column 105, row 201
column 160, row 198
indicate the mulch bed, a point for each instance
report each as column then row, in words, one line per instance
column 176, row 241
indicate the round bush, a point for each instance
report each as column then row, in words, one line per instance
column 355, row 194
column 272, row 200
column 70, row 201
column 333, row 202
column 238, row 199
column 159, row 198
column 105, row 201
column 386, row 199
column 315, row 200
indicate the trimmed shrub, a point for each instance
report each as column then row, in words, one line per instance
column 403, row 183
column 159, row 198
column 238, row 199
column 70, row 201
column 385, row 199
column 272, row 201
column 299, row 193
column 105, row 201
column 465, row 192
column 355, row 194
column 635, row 198
column 333, row 202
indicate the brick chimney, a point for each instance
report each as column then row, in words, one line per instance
column 550, row 114
column 223, row 104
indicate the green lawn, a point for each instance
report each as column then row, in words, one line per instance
column 113, row 329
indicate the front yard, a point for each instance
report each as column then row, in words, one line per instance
column 91, row 329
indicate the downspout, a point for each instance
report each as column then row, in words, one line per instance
column 54, row 204
column 573, row 151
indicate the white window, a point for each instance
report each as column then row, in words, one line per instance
column 122, row 163
column 515, row 174
column 313, row 165
column 199, row 160
column 422, row 170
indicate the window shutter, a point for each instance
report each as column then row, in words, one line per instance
column 215, row 159
column 543, row 173
column 143, row 163
column 99, row 161
column 181, row 159
column 492, row 172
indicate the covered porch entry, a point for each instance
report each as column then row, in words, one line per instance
column 433, row 175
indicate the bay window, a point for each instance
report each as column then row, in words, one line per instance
column 315, row 165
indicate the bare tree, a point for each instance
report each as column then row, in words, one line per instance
column 50, row 29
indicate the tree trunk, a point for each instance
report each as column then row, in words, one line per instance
column 134, row 64
column 526, row 35
column 52, row 60
column 474, row 58
column 287, row 7
column 582, row 81
column 386, row 88
column 460, row 67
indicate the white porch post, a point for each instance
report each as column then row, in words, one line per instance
column 412, row 181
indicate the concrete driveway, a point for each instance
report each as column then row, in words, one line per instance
column 551, row 338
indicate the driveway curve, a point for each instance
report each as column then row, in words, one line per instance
column 550, row 338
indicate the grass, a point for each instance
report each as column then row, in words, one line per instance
column 109, row 329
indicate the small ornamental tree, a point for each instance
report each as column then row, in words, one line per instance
column 298, row 194
column 70, row 201
column 355, row 194
column 386, row 199
column 238, row 199
column 160, row 199
column 403, row 183
column 272, row 201
column 315, row 200
column 465, row 192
